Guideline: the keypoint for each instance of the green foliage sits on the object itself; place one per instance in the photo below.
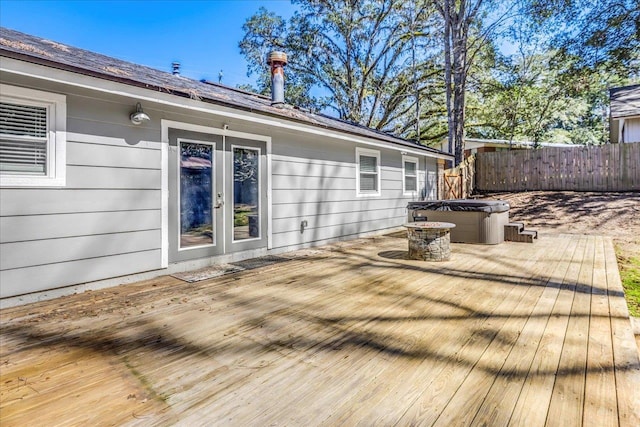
(366, 60)
(534, 102)
(264, 32)
(240, 218)
(554, 87)
(358, 53)
(630, 276)
(592, 34)
(241, 214)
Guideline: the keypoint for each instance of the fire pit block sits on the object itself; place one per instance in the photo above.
(429, 241)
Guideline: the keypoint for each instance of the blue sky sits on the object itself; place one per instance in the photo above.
(202, 35)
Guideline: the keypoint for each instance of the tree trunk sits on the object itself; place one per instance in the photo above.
(459, 87)
(447, 72)
(457, 16)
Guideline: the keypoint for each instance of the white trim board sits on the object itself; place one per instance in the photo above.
(41, 72)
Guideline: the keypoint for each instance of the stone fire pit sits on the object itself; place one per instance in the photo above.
(429, 241)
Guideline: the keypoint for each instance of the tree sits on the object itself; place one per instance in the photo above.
(425, 69)
(466, 35)
(364, 57)
(551, 88)
(603, 33)
(457, 18)
(531, 104)
(263, 33)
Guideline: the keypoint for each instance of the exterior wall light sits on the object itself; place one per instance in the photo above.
(139, 116)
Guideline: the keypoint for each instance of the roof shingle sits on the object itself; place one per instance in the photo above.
(625, 101)
(56, 55)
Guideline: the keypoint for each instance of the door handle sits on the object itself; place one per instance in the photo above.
(219, 201)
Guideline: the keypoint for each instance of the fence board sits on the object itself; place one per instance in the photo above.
(459, 182)
(611, 167)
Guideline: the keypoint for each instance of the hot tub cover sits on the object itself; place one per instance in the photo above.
(488, 206)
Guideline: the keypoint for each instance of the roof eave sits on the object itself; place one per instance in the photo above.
(184, 94)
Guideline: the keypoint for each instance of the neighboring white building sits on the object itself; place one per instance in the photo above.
(624, 116)
(478, 145)
(112, 172)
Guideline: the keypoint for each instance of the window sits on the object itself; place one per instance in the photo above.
(368, 173)
(246, 193)
(196, 184)
(32, 137)
(410, 175)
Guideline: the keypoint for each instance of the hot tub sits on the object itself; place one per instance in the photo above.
(477, 221)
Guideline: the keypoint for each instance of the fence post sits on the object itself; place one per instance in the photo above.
(441, 179)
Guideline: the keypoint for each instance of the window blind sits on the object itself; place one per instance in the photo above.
(23, 138)
(410, 183)
(410, 168)
(368, 182)
(368, 173)
(368, 164)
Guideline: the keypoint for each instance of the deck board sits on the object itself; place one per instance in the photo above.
(498, 405)
(567, 399)
(348, 334)
(429, 408)
(600, 385)
(533, 401)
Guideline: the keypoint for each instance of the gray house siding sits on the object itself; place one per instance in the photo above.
(314, 180)
(105, 222)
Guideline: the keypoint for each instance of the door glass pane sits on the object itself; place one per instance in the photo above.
(196, 189)
(246, 200)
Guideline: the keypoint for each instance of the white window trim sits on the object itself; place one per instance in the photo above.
(57, 136)
(371, 153)
(409, 159)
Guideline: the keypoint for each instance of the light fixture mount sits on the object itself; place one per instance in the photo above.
(139, 115)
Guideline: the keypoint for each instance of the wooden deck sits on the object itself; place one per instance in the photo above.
(348, 334)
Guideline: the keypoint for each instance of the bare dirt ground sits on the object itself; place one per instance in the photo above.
(608, 214)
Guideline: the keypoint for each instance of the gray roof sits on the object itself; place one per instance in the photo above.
(25, 47)
(625, 101)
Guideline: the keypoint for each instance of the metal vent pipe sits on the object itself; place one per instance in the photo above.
(277, 60)
(175, 66)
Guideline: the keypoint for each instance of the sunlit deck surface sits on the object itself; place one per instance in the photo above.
(347, 334)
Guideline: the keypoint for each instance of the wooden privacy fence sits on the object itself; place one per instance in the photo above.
(611, 167)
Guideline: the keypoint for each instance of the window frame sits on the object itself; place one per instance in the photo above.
(368, 153)
(416, 161)
(56, 105)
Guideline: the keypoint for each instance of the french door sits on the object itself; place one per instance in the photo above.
(217, 195)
